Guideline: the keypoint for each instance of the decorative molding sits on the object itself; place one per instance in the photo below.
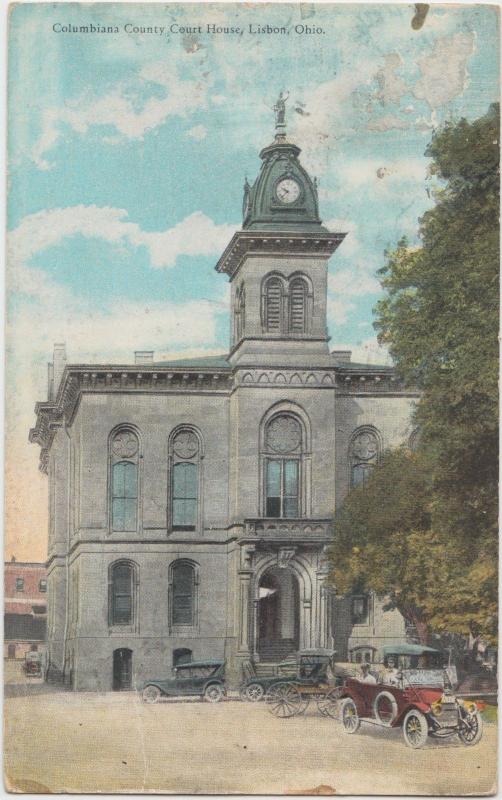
(285, 377)
(284, 556)
(277, 243)
(270, 529)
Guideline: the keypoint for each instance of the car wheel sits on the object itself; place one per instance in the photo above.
(471, 729)
(254, 692)
(213, 693)
(350, 716)
(385, 708)
(415, 729)
(151, 694)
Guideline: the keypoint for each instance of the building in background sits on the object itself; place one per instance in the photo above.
(25, 607)
(191, 502)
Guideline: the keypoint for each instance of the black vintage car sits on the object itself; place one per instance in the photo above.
(196, 678)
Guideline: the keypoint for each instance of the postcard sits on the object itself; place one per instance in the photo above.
(251, 437)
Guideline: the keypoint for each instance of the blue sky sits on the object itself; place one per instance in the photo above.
(128, 152)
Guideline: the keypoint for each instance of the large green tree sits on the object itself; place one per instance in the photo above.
(439, 318)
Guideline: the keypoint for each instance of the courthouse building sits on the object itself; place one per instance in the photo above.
(191, 502)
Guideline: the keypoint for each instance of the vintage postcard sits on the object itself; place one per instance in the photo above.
(251, 469)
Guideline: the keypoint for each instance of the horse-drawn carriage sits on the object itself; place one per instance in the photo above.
(288, 692)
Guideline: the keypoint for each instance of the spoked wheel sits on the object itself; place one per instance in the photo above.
(253, 692)
(350, 717)
(284, 700)
(329, 704)
(471, 729)
(415, 729)
(150, 694)
(214, 693)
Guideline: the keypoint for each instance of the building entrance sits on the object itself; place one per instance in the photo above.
(278, 615)
(122, 669)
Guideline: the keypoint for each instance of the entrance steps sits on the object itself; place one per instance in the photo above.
(276, 650)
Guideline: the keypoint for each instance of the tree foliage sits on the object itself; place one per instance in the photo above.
(439, 318)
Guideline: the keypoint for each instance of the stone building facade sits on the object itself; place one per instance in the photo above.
(191, 502)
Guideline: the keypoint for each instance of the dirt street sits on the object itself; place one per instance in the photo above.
(57, 741)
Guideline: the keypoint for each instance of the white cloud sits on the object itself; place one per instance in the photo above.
(198, 132)
(391, 87)
(366, 352)
(444, 72)
(353, 282)
(387, 123)
(339, 309)
(196, 235)
(124, 108)
(373, 174)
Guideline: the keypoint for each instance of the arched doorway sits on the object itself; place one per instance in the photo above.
(11, 651)
(278, 618)
(122, 669)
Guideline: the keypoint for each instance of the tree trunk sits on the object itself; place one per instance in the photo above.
(416, 619)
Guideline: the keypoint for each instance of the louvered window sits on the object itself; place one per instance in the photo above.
(273, 305)
(297, 306)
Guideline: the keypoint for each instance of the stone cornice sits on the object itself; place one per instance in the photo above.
(278, 244)
(80, 379)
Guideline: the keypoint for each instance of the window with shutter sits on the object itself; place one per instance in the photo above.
(183, 594)
(121, 589)
(297, 306)
(273, 305)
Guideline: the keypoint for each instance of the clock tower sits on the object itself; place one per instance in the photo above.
(277, 263)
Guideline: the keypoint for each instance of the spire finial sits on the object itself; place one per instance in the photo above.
(280, 116)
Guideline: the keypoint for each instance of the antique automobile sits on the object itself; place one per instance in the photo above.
(413, 691)
(205, 679)
(289, 692)
(33, 664)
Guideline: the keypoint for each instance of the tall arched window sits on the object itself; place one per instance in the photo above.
(124, 461)
(283, 448)
(273, 305)
(364, 453)
(183, 594)
(185, 456)
(121, 593)
(298, 292)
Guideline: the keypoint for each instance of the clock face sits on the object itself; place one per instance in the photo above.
(287, 190)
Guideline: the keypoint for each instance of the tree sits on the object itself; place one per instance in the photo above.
(439, 319)
(383, 540)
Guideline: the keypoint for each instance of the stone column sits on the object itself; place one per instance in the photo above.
(244, 615)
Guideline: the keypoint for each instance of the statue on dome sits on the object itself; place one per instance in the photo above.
(280, 110)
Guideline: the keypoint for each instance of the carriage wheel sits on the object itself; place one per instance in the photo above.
(284, 700)
(329, 704)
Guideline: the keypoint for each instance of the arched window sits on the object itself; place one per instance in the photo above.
(283, 448)
(240, 312)
(124, 460)
(364, 453)
(185, 482)
(121, 593)
(273, 305)
(183, 595)
(298, 292)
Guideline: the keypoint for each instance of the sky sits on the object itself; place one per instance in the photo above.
(128, 152)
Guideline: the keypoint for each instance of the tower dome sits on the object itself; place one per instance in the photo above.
(284, 196)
